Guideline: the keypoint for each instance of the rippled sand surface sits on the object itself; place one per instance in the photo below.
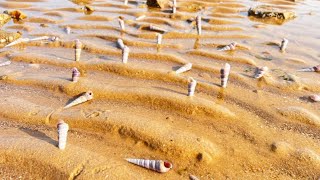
(253, 129)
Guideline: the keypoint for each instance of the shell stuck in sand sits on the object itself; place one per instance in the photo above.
(199, 25)
(260, 72)
(121, 23)
(230, 47)
(159, 38)
(125, 54)
(191, 86)
(83, 98)
(62, 134)
(184, 68)
(224, 75)
(78, 48)
(155, 165)
(75, 75)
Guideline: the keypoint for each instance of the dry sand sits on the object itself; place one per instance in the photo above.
(253, 129)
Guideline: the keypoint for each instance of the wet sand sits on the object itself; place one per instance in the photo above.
(253, 129)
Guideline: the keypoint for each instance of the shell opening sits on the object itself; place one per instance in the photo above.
(167, 165)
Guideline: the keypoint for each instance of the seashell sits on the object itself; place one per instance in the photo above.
(67, 30)
(5, 63)
(54, 39)
(78, 48)
(120, 43)
(75, 75)
(159, 38)
(311, 69)
(315, 98)
(193, 177)
(184, 68)
(191, 86)
(21, 40)
(83, 98)
(140, 17)
(284, 45)
(174, 7)
(231, 46)
(125, 54)
(261, 72)
(40, 38)
(198, 24)
(125, 2)
(62, 134)
(88, 9)
(157, 28)
(155, 165)
(121, 23)
(224, 74)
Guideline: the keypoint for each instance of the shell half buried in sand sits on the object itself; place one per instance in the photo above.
(155, 165)
(224, 75)
(230, 47)
(83, 98)
(78, 48)
(315, 98)
(62, 134)
(260, 72)
(184, 68)
(310, 69)
(191, 86)
(75, 75)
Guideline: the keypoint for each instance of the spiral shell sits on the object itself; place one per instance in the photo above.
(78, 49)
(120, 43)
(125, 54)
(260, 72)
(121, 23)
(75, 75)
(184, 68)
(224, 74)
(157, 28)
(231, 46)
(284, 44)
(6, 63)
(159, 39)
(191, 86)
(311, 69)
(62, 134)
(155, 165)
(315, 98)
(85, 97)
(21, 40)
(199, 25)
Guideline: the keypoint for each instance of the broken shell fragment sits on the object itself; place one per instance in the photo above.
(159, 38)
(198, 24)
(191, 86)
(231, 46)
(315, 98)
(6, 63)
(120, 43)
(157, 28)
(75, 75)
(184, 68)
(78, 48)
(174, 7)
(224, 75)
(121, 23)
(155, 165)
(284, 44)
(125, 54)
(83, 98)
(311, 69)
(260, 72)
(62, 134)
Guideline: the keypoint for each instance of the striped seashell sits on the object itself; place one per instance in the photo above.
(155, 165)
(159, 38)
(157, 28)
(6, 63)
(121, 23)
(224, 74)
(67, 30)
(231, 46)
(198, 24)
(311, 69)
(62, 134)
(21, 40)
(184, 68)
(75, 75)
(191, 86)
(125, 54)
(284, 44)
(78, 48)
(260, 72)
(140, 17)
(315, 98)
(83, 98)
(193, 177)
(120, 43)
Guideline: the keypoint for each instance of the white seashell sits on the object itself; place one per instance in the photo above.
(83, 98)
(191, 86)
(120, 43)
(6, 63)
(75, 75)
(140, 17)
(260, 72)
(231, 46)
(224, 75)
(125, 2)
(198, 24)
(193, 177)
(54, 38)
(157, 28)
(174, 7)
(311, 69)
(21, 40)
(315, 98)
(62, 134)
(121, 23)
(184, 68)
(284, 45)
(159, 38)
(40, 38)
(68, 30)
(78, 48)
(125, 54)
(155, 165)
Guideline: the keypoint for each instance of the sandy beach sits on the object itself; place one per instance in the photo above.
(255, 128)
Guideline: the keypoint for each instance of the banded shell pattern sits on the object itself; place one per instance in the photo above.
(155, 165)
(78, 48)
(284, 44)
(121, 23)
(75, 75)
(230, 47)
(224, 74)
(62, 134)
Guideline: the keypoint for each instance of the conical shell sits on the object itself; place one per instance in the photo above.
(311, 69)
(261, 72)
(191, 86)
(140, 17)
(62, 134)
(157, 28)
(6, 63)
(199, 25)
(86, 97)
(120, 43)
(159, 39)
(21, 40)
(284, 45)
(224, 74)
(231, 46)
(125, 54)
(78, 49)
(193, 177)
(315, 98)
(121, 23)
(75, 75)
(155, 165)
(184, 68)
(67, 30)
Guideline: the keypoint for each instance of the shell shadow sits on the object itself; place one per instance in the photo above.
(39, 135)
